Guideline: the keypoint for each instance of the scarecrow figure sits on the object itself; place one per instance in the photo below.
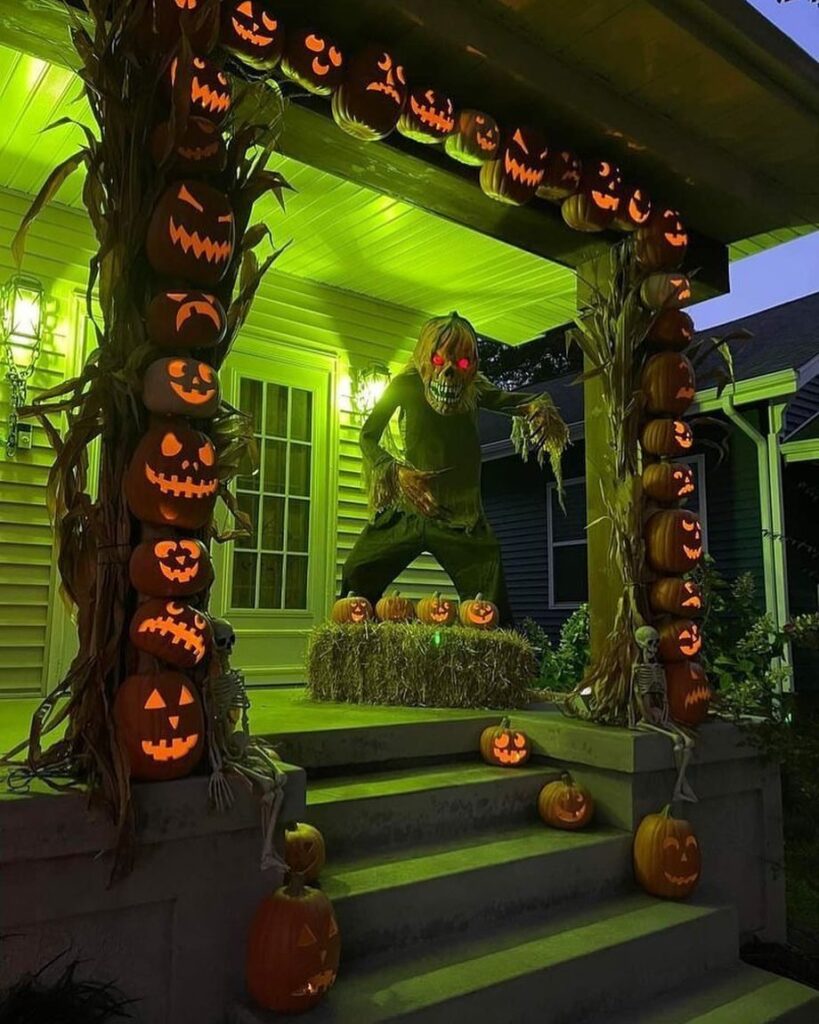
(425, 494)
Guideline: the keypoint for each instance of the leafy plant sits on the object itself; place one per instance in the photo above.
(561, 666)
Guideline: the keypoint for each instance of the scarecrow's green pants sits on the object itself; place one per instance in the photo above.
(386, 547)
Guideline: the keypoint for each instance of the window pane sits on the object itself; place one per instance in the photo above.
(270, 587)
(300, 469)
(298, 525)
(248, 478)
(249, 503)
(301, 414)
(275, 454)
(250, 401)
(569, 574)
(295, 594)
(273, 524)
(572, 524)
(243, 593)
(276, 420)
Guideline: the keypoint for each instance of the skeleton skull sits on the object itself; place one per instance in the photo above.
(224, 638)
(648, 640)
(446, 358)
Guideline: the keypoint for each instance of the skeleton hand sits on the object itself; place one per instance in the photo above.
(415, 486)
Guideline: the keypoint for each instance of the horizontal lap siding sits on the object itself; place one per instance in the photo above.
(803, 407)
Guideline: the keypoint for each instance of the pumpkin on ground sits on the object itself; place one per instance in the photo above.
(673, 541)
(565, 804)
(394, 608)
(689, 692)
(479, 613)
(352, 608)
(674, 596)
(293, 949)
(680, 640)
(503, 745)
(437, 610)
(304, 849)
(667, 860)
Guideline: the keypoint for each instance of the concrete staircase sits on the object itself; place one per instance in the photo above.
(456, 904)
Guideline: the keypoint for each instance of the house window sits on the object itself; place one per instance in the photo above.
(270, 566)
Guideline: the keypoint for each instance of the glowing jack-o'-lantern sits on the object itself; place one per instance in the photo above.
(181, 387)
(252, 32)
(667, 860)
(369, 101)
(517, 173)
(505, 746)
(635, 209)
(352, 608)
(668, 482)
(198, 149)
(673, 541)
(478, 613)
(314, 61)
(304, 849)
(168, 567)
(160, 725)
(293, 949)
(673, 596)
(595, 205)
(561, 175)
(667, 382)
(565, 804)
(185, 320)
(172, 477)
(475, 140)
(394, 608)
(429, 116)
(164, 21)
(662, 243)
(671, 329)
(666, 437)
(191, 233)
(666, 291)
(210, 92)
(680, 640)
(437, 610)
(689, 692)
(172, 631)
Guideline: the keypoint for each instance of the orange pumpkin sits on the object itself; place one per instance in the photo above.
(475, 140)
(210, 94)
(170, 567)
(394, 608)
(304, 849)
(502, 745)
(479, 613)
(565, 804)
(561, 175)
(666, 291)
(635, 209)
(172, 631)
(667, 382)
(673, 541)
(252, 32)
(680, 640)
(178, 386)
(369, 101)
(191, 233)
(667, 860)
(668, 482)
(185, 320)
(689, 693)
(198, 148)
(596, 204)
(674, 596)
(437, 610)
(661, 244)
(517, 172)
(671, 329)
(352, 608)
(666, 437)
(428, 117)
(312, 60)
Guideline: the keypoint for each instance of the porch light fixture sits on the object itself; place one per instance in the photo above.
(367, 386)
(21, 304)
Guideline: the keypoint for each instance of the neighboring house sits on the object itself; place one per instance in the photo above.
(764, 489)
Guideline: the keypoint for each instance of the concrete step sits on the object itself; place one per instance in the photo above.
(388, 810)
(553, 971)
(469, 883)
(739, 995)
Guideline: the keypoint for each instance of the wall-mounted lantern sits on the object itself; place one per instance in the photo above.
(367, 386)
(21, 300)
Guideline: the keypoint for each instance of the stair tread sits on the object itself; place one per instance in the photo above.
(457, 855)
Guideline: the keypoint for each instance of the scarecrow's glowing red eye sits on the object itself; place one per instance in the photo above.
(437, 359)
(463, 364)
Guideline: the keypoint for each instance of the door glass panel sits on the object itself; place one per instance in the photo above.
(299, 469)
(276, 417)
(301, 414)
(295, 594)
(249, 504)
(250, 401)
(244, 579)
(270, 583)
(298, 524)
(273, 524)
(275, 467)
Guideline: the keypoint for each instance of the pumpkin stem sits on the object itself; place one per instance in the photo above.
(566, 778)
(291, 826)
(479, 596)
(666, 811)
(505, 722)
(351, 593)
(295, 885)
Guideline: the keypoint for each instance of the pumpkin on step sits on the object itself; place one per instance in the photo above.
(667, 860)
(565, 804)
(352, 608)
(479, 613)
(503, 745)
(394, 608)
(437, 610)
(293, 949)
(304, 849)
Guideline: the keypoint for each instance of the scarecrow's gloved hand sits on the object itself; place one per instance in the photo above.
(415, 486)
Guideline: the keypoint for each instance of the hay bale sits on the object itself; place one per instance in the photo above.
(418, 665)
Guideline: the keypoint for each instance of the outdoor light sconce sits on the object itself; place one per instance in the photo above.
(367, 386)
(22, 312)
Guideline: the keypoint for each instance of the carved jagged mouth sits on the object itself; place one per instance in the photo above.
(685, 392)
(683, 440)
(676, 240)
(214, 252)
(187, 488)
(520, 172)
(604, 200)
(444, 397)
(508, 756)
(179, 575)
(197, 153)
(250, 36)
(187, 310)
(689, 650)
(209, 99)
(692, 602)
(193, 397)
(387, 89)
(316, 984)
(681, 879)
(701, 695)
(177, 748)
(569, 815)
(693, 553)
(486, 142)
(426, 115)
(685, 489)
(178, 632)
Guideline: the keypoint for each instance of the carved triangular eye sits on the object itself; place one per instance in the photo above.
(306, 936)
(155, 701)
(333, 929)
(185, 696)
(518, 137)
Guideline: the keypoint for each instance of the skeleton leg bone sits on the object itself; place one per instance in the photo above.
(683, 748)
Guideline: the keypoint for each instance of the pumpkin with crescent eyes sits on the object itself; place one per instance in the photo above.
(671, 329)
(673, 541)
(668, 482)
(516, 174)
(673, 596)
(429, 116)
(561, 175)
(667, 861)
(304, 849)
(475, 140)
(689, 692)
(635, 209)
(662, 243)
(177, 386)
(595, 205)
(502, 745)
(667, 383)
(312, 60)
(437, 610)
(252, 32)
(666, 437)
(160, 725)
(666, 291)
(171, 631)
(210, 93)
(680, 640)
(369, 101)
(394, 608)
(191, 233)
(185, 320)
(478, 613)
(172, 478)
(565, 804)
(197, 149)
(170, 567)
(352, 608)
(163, 22)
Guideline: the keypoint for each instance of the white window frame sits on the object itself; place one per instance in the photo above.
(699, 462)
(551, 544)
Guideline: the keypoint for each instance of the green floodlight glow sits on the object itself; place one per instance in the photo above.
(23, 311)
(437, 638)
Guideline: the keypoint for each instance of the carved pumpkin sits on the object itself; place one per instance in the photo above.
(252, 32)
(478, 613)
(666, 291)
(181, 387)
(304, 849)
(164, 21)
(160, 725)
(671, 329)
(198, 149)
(171, 631)
(167, 567)
(293, 949)
(565, 804)
(689, 693)
(668, 482)
(597, 202)
(673, 541)
(502, 745)
(185, 320)
(191, 233)
(662, 243)
(312, 60)
(561, 175)
(517, 173)
(437, 610)
(680, 640)
(429, 116)
(352, 608)
(673, 596)
(667, 861)
(475, 140)
(666, 437)
(394, 608)
(210, 92)
(369, 101)
(635, 209)
(668, 384)
(172, 479)
(446, 357)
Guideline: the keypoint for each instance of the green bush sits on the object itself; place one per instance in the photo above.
(561, 667)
